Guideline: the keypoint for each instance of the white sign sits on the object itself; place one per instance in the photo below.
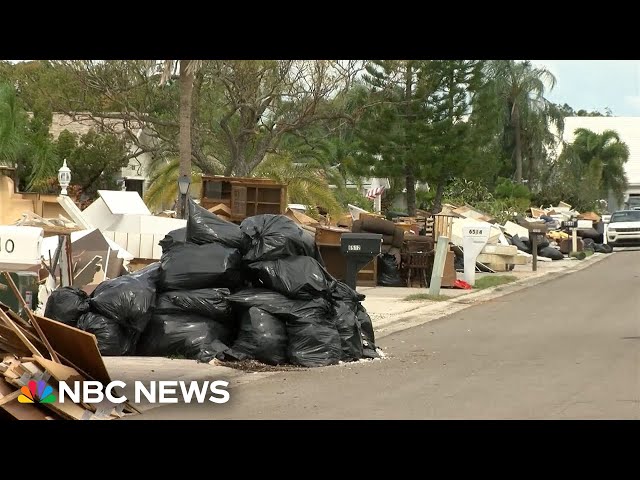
(19, 247)
(474, 238)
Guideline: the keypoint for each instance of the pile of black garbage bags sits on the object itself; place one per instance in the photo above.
(258, 290)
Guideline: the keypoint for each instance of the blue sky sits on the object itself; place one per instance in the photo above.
(596, 84)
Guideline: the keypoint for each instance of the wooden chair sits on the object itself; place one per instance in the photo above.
(417, 262)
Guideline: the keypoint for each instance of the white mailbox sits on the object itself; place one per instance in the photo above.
(20, 247)
(474, 238)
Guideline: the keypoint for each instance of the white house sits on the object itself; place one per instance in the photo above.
(135, 175)
(628, 128)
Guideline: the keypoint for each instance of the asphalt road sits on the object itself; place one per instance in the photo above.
(565, 349)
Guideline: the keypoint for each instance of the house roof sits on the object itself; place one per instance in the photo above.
(627, 127)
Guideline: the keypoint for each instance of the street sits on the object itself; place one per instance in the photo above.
(565, 349)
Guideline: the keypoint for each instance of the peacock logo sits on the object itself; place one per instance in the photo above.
(37, 392)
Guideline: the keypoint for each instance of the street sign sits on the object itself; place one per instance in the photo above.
(474, 238)
(20, 247)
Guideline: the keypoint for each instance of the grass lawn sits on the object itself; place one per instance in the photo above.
(493, 281)
(425, 296)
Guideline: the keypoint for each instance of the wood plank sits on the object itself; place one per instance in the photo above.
(78, 346)
(146, 245)
(11, 324)
(121, 238)
(4, 399)
(133, 244)
(20, 411)
(60, 372)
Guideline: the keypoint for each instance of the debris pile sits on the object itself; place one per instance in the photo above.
(254, 291)
(38, 352)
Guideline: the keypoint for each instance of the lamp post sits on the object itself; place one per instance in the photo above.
(184, 182)
(64, 177)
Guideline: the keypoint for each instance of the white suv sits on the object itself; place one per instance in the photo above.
(624, 228)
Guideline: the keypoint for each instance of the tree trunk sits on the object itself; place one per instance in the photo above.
(186, 90)
(408, 168)
(411, 190)
(437, 201)
(515, 120)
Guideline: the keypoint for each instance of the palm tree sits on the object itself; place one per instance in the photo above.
(603, 155)
(163, 190)
(521, 88)
(11, 123)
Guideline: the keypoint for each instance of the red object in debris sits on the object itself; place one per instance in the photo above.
(462, 284)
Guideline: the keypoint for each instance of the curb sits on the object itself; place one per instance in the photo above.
(436, 310)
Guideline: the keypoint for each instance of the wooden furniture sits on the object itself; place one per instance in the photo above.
(417, 261)
(245, 197)
(328, 242)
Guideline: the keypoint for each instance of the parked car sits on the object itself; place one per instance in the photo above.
(624, 228)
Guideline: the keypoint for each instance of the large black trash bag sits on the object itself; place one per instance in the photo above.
(368, 337)
(277, 304)
(129, 299)
(113, 339)
(314, 343)
(206, 227)
(149, 274)
(522, 244)
(271, 237)
(187, 335)
(591, 233)
(550, 252)
(344, 292)
(262, 337)
(388, 273)
(208, 302)
(66, 305)
(346, 321)
(173, 238)
(295, 277)
(313, 337)
(191, 267)
(602, 248)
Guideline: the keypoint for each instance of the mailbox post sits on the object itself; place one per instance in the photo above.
(537, 233)
(359, 249)
(573, 225)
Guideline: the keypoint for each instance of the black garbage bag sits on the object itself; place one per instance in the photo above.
(388, 273)
(593, 234)
(344, 292)
(550, 252)
(277, 304)
(206, 227)
(66, 305)
(262, 337)
(295, 277)
(349, 330)
(271, 237)
(368, 337)
(602, 248)
(149, 274)
(129, 299)
(185, 335)
(113, 339)
(191, 267)
(314, 343)
(208, 302)
(522, 244)
(588, 243)
(313, 336)
(543, 244)
(174, 237)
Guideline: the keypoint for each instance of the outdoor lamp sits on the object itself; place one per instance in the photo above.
(183, 184)
(64, 177)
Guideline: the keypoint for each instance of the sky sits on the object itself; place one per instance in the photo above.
(596, 84)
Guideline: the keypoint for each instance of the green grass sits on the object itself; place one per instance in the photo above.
(493, 281)
(425, 296)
